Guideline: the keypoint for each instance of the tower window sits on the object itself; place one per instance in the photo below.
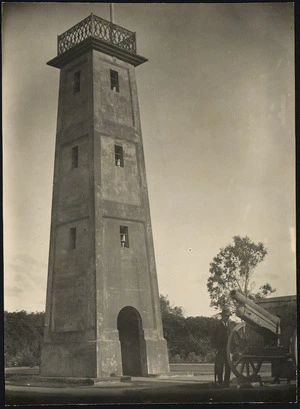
(76, 81)
(114, 81)
(73, 238)
(124, 236)
(119, 161)
(75, 157)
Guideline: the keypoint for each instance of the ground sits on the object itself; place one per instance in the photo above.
(185, 384)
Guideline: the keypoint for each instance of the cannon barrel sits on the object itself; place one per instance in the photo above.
(255, 315)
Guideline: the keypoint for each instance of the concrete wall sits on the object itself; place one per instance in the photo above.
(112, 108)
(120, 184)
(69, 359)
(124, 276)
(122, 199)
(286, 308)
(74, 183)
(75, 110)
(127, 272)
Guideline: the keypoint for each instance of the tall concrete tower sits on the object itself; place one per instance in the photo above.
(102, 310)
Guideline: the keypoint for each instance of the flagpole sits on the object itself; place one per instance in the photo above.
(111, 6)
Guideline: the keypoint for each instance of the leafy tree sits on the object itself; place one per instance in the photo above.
(264, 291)
(166, 308)
(189, 339)
(232, 268)
(173, 327)
(23, 334)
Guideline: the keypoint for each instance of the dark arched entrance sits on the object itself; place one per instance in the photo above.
(132, 342)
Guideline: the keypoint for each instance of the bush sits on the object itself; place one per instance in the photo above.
(189, 339)
(210, 357)
(23, 338)
(176, 359)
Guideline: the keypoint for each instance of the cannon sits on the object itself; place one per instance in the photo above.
(267, 333)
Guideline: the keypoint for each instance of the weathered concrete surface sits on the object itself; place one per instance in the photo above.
(177, 387)
(143, 390)
(88, 286)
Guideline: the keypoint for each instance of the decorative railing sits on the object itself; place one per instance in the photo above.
(97, 27)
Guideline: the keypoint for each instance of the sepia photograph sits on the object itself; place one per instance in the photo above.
(149, 203)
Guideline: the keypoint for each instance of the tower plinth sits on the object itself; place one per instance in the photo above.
(102, 309)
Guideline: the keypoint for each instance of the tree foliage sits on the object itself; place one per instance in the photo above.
(189, 339)
(232, 268)
(263, 292)
(23, 334)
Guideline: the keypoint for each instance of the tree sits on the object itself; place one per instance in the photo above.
(173, 327)
(166, 308)
(233, 268)
(23, 335)
(189, 339)
(264, 291)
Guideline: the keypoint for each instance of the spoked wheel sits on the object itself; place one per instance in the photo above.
(240, 352)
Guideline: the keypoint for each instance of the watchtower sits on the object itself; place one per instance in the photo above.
(102, 310)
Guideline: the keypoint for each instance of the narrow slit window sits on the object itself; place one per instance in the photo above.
(75, 157)
(119, 160)
(124, 236)
(76, 81)
(114, 81)
(73, 238)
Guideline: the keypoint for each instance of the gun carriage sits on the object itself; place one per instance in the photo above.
(267, 334)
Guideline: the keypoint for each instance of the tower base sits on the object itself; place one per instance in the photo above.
(157, 357)
(99, 359)
(65, 359)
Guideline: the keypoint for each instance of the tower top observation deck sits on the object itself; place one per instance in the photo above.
(97, 27)
(100, 34)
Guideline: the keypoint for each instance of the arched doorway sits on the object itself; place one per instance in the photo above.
(132, 342)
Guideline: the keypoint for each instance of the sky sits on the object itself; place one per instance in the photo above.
(217, 111)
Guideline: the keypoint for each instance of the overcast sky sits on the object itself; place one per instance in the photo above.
(217, 110)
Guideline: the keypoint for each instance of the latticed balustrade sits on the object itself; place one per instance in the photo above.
(97, 27)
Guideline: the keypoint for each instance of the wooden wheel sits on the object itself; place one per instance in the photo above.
(241, 345)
